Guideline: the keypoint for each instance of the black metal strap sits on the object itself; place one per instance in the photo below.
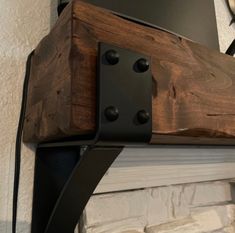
(124, 96)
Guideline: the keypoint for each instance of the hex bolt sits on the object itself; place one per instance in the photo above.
(143, 117)
(112, 57)
(142, 65)
(111, 113)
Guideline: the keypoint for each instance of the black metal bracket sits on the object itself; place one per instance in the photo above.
(67, 173)
(124, 96)
(65, 179)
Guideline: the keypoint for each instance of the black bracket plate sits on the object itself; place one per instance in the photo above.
(124, 96)
(66, 177)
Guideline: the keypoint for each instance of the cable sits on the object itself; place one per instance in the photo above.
(231, 49)
(18, 143)
(61, 5)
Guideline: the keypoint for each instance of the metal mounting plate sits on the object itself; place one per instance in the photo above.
(129, 90)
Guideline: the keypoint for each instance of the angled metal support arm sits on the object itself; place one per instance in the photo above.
(64, 182)
(67, 173)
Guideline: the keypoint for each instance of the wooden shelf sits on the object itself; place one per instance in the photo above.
(193, 87)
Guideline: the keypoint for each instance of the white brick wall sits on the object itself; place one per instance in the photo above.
(204, 219)
(189, 208)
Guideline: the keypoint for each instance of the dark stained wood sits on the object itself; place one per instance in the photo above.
(193, 86)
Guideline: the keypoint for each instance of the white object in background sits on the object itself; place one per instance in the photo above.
(226, 32)
(232, 5)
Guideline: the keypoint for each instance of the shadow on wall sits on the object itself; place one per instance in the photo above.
(5, 227)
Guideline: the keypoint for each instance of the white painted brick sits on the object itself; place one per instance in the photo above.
(157, 206)
(176, 201)
(230, 229)
(173, 202)
(122, 211)
(214, 219)
(124, 225)
(181, 226)
(223, 215)
(211, 193)
(132, 231)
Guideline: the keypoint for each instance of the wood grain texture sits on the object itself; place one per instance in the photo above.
(193, 86)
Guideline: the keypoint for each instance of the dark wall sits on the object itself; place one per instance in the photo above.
(194, 19)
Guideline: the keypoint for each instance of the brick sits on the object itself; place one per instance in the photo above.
(181, 226)
(214, 216)
(131, 232)
(154, 206)
(214, 219)
(211, 193)
(117, 211)
(159, 206)
(125, 225)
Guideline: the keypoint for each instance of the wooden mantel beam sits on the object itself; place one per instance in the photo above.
(193, 97)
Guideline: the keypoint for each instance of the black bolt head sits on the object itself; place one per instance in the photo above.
(112, 57)
(142, 65)
(143, 117)
(111, 113)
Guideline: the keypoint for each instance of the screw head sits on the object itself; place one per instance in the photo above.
(111, 113)
(142, 65)
(112, 57)
(143, 117)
